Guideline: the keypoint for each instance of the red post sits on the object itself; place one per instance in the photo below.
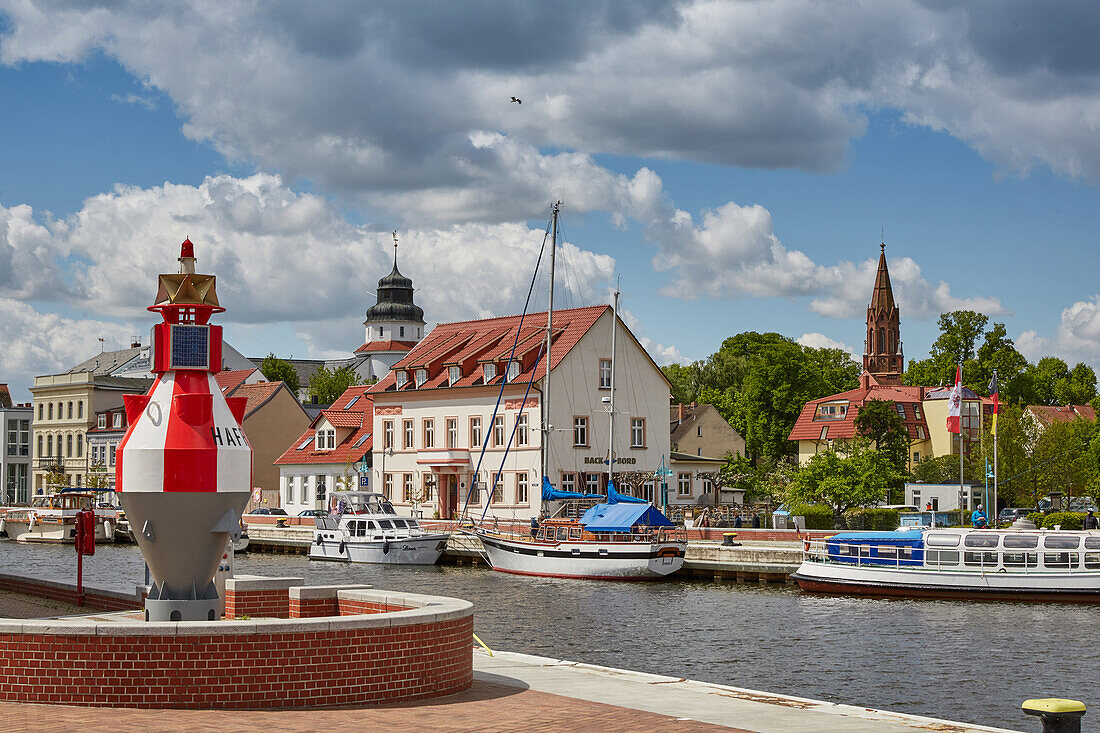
(85, 545)
(79, 542)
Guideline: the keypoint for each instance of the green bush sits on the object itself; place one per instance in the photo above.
(1037, 518)
(873, 519)
(817, 516)
(1067, 520)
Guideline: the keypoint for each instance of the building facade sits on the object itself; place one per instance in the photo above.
(448, 438)
(15, 449)
(103, 439)
(332, 454)
(701, 431)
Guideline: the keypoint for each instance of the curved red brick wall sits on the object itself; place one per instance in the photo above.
(382, 657)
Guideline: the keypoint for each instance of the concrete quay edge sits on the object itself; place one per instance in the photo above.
(742, 708)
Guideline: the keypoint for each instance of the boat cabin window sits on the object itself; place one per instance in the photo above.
(563, 533)
(360, 529)
(981, 540)
(1092, 560)
(1024, 541)
(1092, 543)
(942, 539)
(941, 557)
(1061, 559)
(1020, 559)
(372, 524)
(1062, 543)
(413, 524)
(980, 559)
(385, 524)
(574, 534)
(888, 551)
(399, 523)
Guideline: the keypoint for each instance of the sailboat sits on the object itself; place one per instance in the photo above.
(616, 538)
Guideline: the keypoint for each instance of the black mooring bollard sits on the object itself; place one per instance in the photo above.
(1058, 715)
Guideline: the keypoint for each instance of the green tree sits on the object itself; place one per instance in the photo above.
(275, 369)
(1078, 387)
(857, 477)
(1043, 378)
(836, 368)
(958, 340)
(1061, 457)
(1016, 435)
(879, 421)
(724, 402)
(685, 380)
(327, 386)
(999, 352)
(97, 478)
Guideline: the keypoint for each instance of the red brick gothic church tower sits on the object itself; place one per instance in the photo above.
(883, 359)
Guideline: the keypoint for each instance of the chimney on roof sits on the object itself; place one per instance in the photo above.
(680, 412)
(920, 393)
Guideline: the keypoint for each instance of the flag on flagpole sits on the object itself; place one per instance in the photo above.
(954, 405)
(996, 401)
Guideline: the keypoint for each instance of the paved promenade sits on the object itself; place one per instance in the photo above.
(17, 605)
(518, 692)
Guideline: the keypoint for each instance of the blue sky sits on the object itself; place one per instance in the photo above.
(734, 162)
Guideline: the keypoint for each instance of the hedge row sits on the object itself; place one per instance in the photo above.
(821, 517)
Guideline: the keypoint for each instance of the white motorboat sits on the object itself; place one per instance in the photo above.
(1017, 565)
(52, 518)
(363, 527)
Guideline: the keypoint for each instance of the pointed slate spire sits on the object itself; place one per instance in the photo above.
(882, 353)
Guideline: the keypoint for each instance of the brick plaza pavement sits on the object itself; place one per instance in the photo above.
(486, 708)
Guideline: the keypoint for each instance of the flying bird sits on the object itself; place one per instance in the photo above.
(517, 100)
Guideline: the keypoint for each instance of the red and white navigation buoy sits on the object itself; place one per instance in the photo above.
(184, 467)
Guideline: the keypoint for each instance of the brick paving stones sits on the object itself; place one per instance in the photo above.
(486, 708)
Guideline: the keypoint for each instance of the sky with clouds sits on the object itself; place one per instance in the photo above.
(736, 162)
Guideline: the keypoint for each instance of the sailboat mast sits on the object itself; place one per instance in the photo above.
(549, 332)
(611, 413)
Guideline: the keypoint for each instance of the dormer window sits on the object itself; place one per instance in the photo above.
(325, 440)
(101, 422)
(421, 377)
(513, 371)
(454, 374)
(401, 377)
(490, 372)
(834, 411)
(117, 420)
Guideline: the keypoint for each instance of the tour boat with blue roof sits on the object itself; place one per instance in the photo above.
(1017, 565)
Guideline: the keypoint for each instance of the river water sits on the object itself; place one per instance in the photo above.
(961, 660)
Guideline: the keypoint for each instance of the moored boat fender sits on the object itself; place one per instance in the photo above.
(319, 540)
(108, 530)
(30, 522)
(3, 528)
(341, 547)
(386, 547)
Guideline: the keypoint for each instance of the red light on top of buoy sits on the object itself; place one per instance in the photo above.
(187, 249)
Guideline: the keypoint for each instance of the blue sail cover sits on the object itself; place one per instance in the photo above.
(623, 517)
(549, 493)
(614, 497)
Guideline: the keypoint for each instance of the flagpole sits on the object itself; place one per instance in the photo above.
(996, 511)
(962, 519)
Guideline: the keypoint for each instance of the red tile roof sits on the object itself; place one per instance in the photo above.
(471, 343)
(354, 409)
(229, 381)
(1048, 415)
(373, 347)
(807, 428)
(257, 394)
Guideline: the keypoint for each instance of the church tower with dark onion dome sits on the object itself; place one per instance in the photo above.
(882, 354)
(394, 324)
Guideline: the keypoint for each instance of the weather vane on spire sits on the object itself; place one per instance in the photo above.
(882, 246)
(395, 248)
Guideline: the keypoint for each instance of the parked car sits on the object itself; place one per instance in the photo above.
(312, 513)
(1011, 514)
(269, 510)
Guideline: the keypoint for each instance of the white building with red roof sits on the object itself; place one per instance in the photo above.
(328, 455)
(923, 410)
(437, 437)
